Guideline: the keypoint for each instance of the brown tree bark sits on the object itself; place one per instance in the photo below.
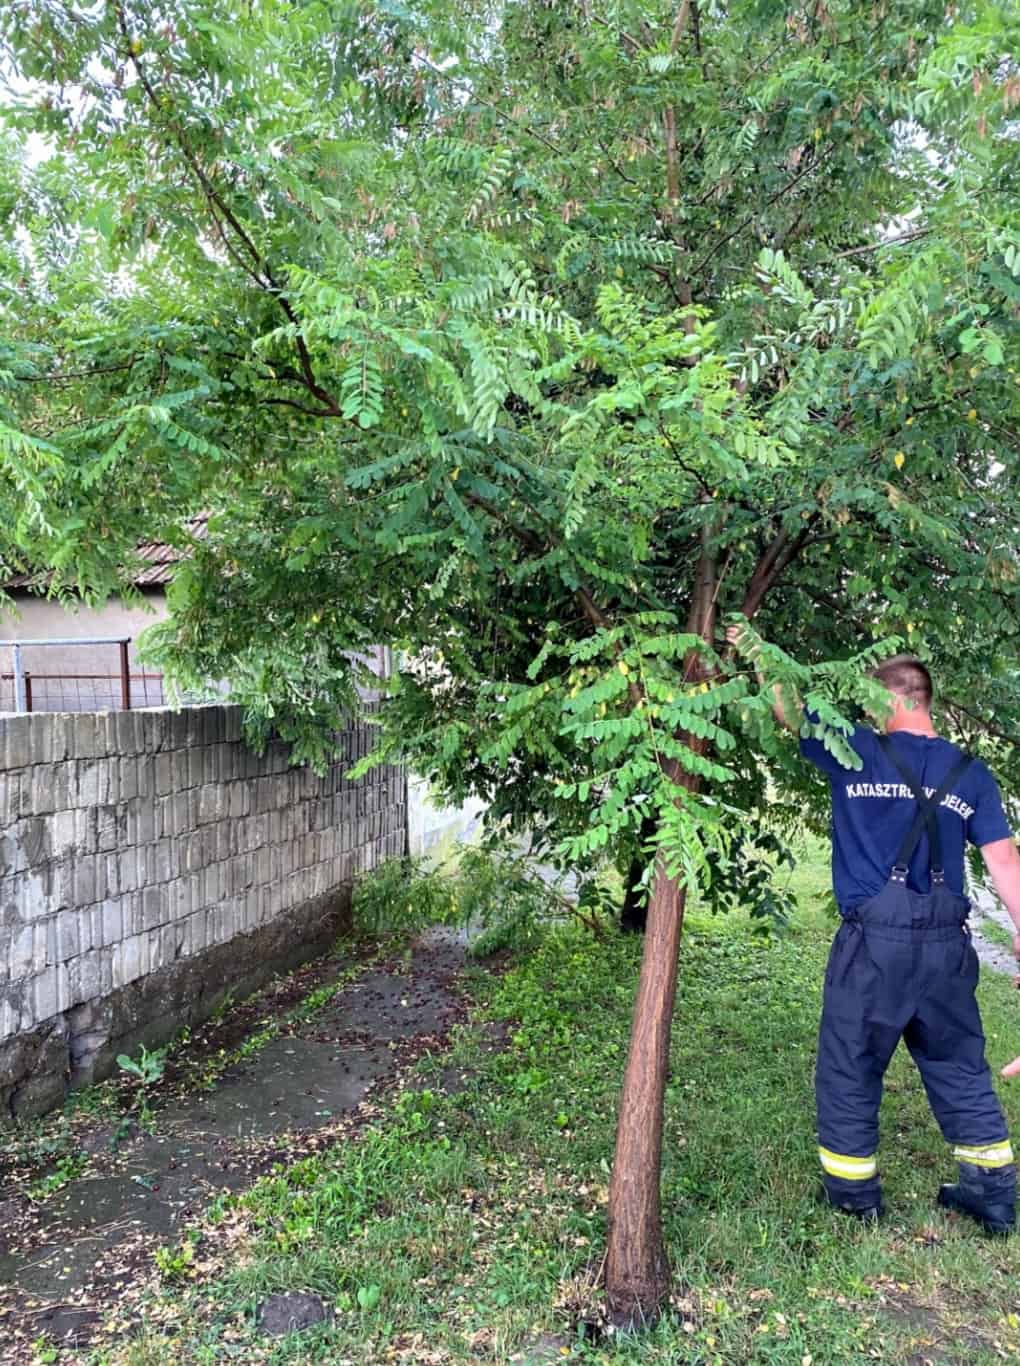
(637, 1275)
(637, 1268)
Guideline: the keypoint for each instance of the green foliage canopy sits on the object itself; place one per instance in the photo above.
(532, 338)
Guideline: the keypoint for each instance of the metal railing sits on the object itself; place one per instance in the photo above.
(32, 690)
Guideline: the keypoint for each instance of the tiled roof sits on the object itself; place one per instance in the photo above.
(159, 557)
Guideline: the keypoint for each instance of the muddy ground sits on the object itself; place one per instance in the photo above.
(66, 1256)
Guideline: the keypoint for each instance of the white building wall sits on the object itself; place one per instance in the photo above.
(433, 828)
(33, 618)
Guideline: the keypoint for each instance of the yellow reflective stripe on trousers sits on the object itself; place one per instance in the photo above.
(990, 1155)
(849, 1168)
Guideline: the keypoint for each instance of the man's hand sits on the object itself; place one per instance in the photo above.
(738, 637)
(1011, 1068)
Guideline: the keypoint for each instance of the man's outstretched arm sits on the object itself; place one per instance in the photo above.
(791, 716)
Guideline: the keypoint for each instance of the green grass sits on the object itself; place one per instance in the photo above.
(459, 1228)
(995, 933)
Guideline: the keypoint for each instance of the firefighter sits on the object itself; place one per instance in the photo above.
(902, 964)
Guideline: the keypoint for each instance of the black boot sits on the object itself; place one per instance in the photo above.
(864, 1205)
(864, 1214)
(985, 1194)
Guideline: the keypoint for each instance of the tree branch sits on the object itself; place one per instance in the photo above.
(419, 56)
(525, 535)
(669, 123)
(790, 184)
(699, 479)
(702, 613)
(245, 266)
(217, 202)
(630, 41)
(672, 171)
(696, 33)
(781, 553)
(591, 610)
(951, 705)
(666, 275)
(537, 545)
(886, 242)
(616, 167)
(679, 26)
(301, 408)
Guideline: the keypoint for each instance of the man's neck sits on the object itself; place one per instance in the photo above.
(916, 723)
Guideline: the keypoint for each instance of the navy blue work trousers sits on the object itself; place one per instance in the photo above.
(902, 965)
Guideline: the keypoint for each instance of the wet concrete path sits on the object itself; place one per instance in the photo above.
(65, 1258)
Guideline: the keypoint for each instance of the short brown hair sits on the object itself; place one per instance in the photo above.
(906, 676)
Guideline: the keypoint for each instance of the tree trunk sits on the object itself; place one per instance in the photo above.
(637, 1269)
(637, 1275)
(634, 911)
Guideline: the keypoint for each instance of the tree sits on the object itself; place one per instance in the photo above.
(534, 338)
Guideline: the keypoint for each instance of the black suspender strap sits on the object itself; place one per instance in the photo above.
(926, 814)
(923, 817)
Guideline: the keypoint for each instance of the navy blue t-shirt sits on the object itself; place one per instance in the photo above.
(873, 809)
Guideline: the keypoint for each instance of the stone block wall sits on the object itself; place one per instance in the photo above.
(149, 864)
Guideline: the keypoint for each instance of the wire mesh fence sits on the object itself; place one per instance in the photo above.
(59, 686)
(41, 676)
(81, 692)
